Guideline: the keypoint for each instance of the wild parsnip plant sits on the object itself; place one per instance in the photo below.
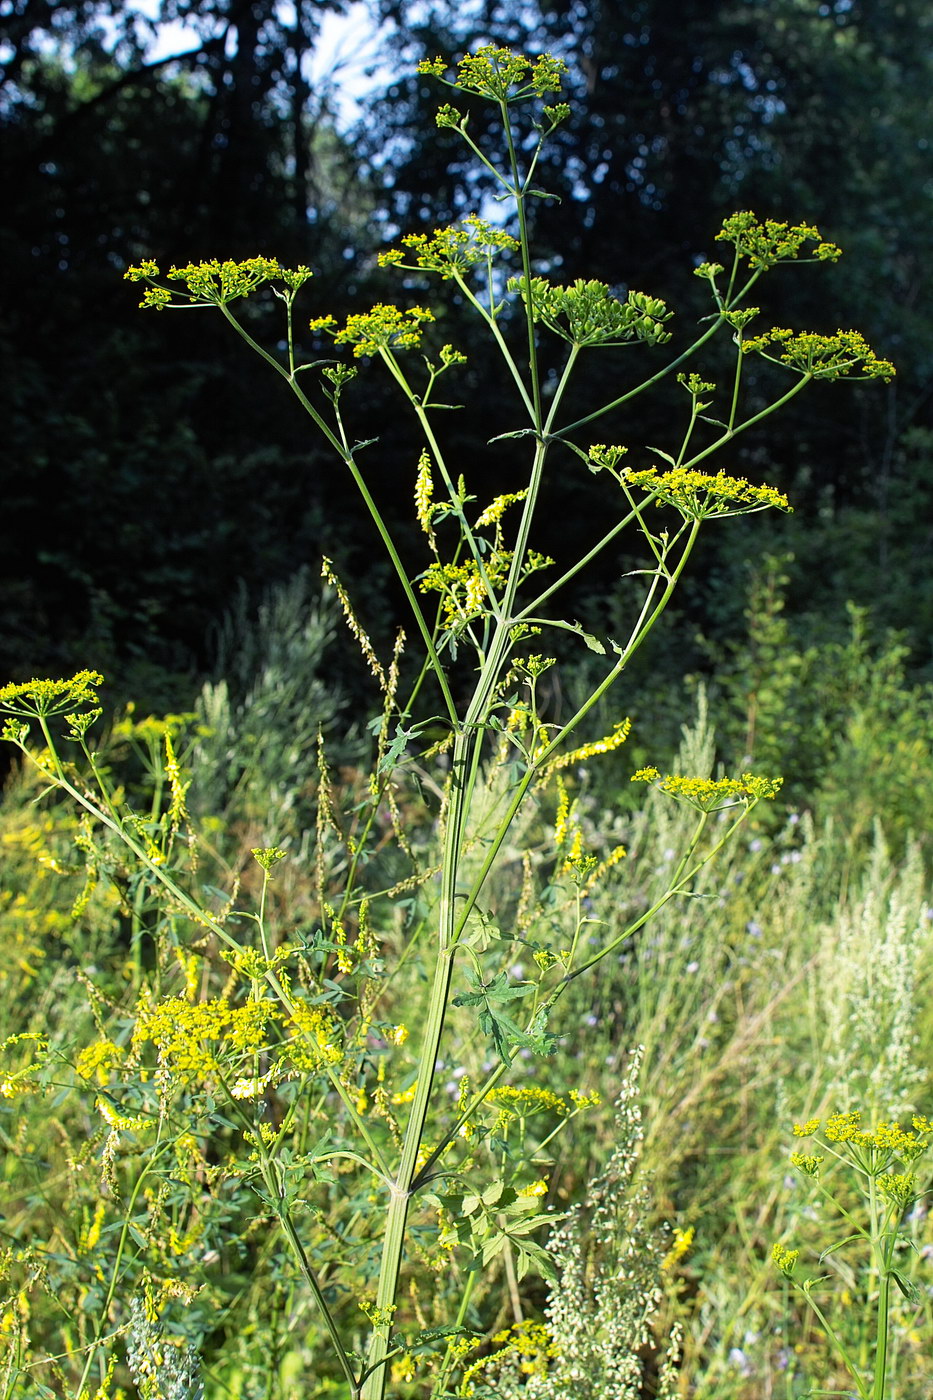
(888, 1166)
(263, 1061)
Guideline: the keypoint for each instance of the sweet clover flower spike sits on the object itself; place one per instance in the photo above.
(213, 283)
(586, 313)
(711, 794)
(383, 328)
(844, 355)
(697, 495)
(768, 242)
(501, 75)
(37, 698)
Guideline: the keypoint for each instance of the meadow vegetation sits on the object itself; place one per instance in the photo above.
(449, 1051)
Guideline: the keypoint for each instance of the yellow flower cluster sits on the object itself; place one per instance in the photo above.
(500, 74)
(846, 354)
(462, 585)
(385, 327)
(532, 1342)
(683, 1242)
(885, 1141)
(424, 496)
(451, 251)
(99, 1060)
(899, 1188)
(45, 697)
(698, 495)
(711, 794)
(806, 1162)
(191, 1038)
(523, 1101)
(767, 242)
(213, 283)
(608, 744)
(494, 512)
(268, 856)
(785, 1259)
(318, 1042)
(602, 455)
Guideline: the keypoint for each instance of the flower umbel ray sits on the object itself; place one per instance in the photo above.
(766, 242)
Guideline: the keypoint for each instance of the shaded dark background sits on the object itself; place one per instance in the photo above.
(151, 468)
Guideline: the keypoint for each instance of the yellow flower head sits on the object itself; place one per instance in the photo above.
(700, 496)
(383, 328)
(40, 697)
(712, 794)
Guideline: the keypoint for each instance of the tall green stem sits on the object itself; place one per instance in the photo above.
(401, 1187)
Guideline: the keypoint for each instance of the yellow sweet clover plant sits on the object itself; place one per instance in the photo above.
(266, 1058)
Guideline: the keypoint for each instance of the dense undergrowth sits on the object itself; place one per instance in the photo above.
(792, 983)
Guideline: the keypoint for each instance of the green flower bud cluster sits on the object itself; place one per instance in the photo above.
(586, 313)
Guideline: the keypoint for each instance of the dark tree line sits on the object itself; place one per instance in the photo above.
(149, 467)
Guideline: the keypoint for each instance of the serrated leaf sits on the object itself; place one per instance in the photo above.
(535, 1254)
(397, 747)
(493, 1248)
(527, 1227)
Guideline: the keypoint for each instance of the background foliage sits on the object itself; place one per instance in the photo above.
(145, 479)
